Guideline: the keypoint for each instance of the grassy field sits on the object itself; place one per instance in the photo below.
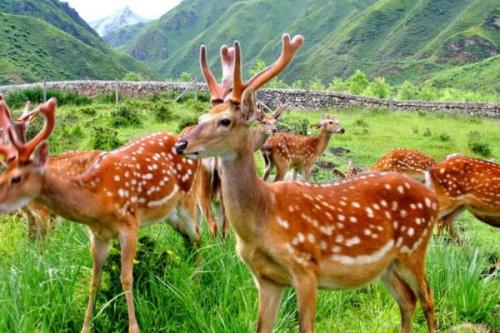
(43, 286)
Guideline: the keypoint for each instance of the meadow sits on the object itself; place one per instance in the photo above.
(44, 284)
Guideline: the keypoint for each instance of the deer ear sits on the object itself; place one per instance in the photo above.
(279, 111)
(40, 155)
(248, 105)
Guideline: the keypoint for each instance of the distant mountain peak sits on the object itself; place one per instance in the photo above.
(122, 18)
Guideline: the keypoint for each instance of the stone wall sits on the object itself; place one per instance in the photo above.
(299, 99)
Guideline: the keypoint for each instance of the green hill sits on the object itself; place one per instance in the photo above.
(398, 39)
(47, 38)
(34, 49)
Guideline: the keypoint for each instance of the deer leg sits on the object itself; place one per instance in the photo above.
(305, 285)
(99, 254)
(404, 296)
(268, 165)
(280, 172)
(448, 223)
(205, 184)
(413, 271)
(128, 245)
(270, 295)
(307, 172)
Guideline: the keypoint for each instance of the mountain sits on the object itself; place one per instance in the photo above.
(47, 38)
(122, 18)
(122, 36)
(398, 39)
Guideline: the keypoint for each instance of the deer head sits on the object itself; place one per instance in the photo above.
(21, 182)
(268, 123)
(225, 127)
(330, 124)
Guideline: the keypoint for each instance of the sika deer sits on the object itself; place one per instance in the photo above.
(138, 184)
(340, 235)
(466, 183)
(287, 151)
(40, 218)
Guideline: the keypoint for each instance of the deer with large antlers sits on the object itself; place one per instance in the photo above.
(309, 236)
(466, 183)
(285, 151)
(209, 170)
(143, 182)
(39, 217)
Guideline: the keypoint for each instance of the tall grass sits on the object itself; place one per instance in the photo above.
(44, 285)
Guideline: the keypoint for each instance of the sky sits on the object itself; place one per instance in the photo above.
(91, 10)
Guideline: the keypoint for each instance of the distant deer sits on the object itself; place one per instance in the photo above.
(287, 151)
(410, 162)
(138, 184)
(461, 183)
(308, 236)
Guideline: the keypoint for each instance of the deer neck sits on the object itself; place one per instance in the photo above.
(259, 136)
(322, 140)
(65, 196)
(245, 197)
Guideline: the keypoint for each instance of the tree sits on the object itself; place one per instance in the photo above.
(186, 77)
(357, 82)
(379, 88)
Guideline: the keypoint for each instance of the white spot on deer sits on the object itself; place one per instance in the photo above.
(367, 232)
(403, 213)
(341, 217)
(323, 245)
(339, 238)
(353, 219)
(116, 178)
(311, 238)
(369, 212)
(164, 200)
(355, 204)
(401, 189)
(336, 249)
(352, 241)
(364, 259)
(411, 232)
(283, 223)
(428, 202)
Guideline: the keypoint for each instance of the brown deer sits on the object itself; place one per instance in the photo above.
(461, 183)
(286, 151)
(309, 236)
(138, 184)
(410, 162)
(39, 217)
(209, 172)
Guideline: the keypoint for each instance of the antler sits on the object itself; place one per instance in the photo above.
(25, 149)
(289, 48)
(218, 91)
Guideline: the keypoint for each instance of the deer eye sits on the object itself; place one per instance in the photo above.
(15, 180)
(225, 122)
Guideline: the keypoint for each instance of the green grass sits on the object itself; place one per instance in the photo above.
(43, 286)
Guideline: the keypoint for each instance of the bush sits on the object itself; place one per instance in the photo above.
(361, 123)
(427, 132)
(186, 121)
(198, 107)
(133, 76)
(444, 137)
(104, 138)
(18, 98)
(162, 111)
(88, 111)
(379, 88)
(125, 115)
(357, 82)
(477, 144)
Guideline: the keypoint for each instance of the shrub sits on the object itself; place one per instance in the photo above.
(186, 77)
(357, 82)
(444, 137)
(104, 138)
(88, 111)
(198, 107)
(427, 132)
(316, 84)
(379, 88)
(300, 128)
(361, 123)
(477, 144)
(17, 98)
(125, 115)
(187, 121)
(133, 76)
(162, 111)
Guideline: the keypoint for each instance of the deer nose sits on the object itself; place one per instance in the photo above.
(274, 130)
(180, 146)
(342, 131)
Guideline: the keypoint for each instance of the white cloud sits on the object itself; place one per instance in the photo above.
(91, 10)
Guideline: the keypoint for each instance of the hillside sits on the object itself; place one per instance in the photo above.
(398, 39)
(122, 36)
(122, 18)
(34, 49)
